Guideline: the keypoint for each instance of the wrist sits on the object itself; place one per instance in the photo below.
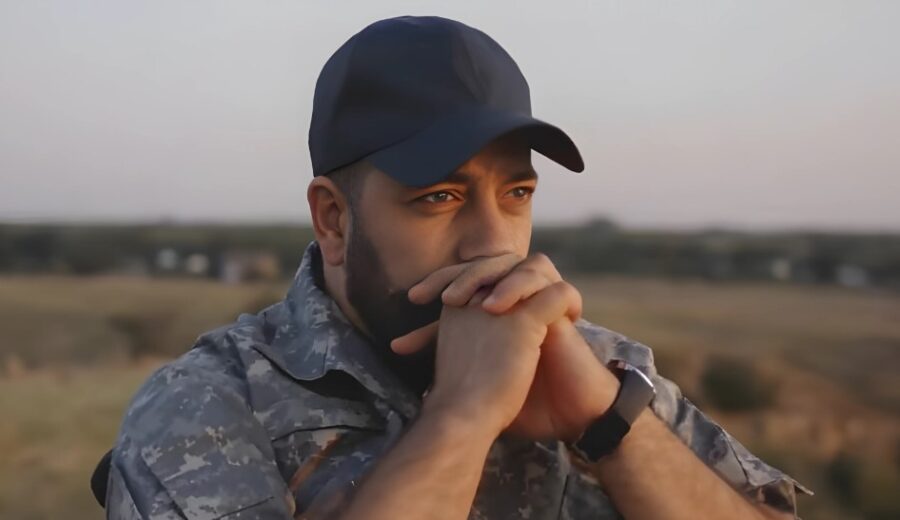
(605, 435)
(644, 432)
(600, 400)
(450, 416)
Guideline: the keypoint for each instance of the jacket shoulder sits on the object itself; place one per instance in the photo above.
(190, 430)
(709, 441)
(609, 345)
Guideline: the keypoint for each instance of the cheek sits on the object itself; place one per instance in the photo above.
(410, 250)
(523, 240)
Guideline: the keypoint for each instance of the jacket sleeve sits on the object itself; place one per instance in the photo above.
(709, 441)
(153, 498)
(190, 448)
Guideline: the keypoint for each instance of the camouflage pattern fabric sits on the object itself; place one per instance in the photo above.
(282, 413)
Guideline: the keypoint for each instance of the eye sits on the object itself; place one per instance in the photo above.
(438, 197)
(521, 192)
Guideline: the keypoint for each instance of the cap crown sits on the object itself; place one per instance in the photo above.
(397, 76)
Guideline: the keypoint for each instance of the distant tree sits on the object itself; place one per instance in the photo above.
(146, 331)
(732, 384)
(36, 249)
(843, 475)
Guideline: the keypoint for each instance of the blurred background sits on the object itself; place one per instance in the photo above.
(739, 212)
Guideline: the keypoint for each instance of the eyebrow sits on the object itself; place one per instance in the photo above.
(463, 177)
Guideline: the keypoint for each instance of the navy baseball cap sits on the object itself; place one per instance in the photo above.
(418, 96)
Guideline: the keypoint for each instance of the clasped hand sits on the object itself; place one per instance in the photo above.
(508, 354)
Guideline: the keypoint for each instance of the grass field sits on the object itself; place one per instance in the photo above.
(57, 423)
(75, 349)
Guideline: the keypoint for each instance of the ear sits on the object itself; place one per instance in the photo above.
(330, 219)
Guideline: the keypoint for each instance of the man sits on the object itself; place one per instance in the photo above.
(422, 364)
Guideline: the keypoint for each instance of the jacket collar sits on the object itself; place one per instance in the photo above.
(313, 336)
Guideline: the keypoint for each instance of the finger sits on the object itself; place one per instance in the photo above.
(431, 286)
(479, 296)
(562, 331)
(553, 302)
(541, 263)
(519, 285)
(415, 340)
(480, 274)
(508, 292)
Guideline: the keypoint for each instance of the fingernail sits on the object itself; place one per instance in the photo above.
(490, 300)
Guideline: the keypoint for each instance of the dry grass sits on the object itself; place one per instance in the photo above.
(848, 336)
(833, 353)
(57, 423)
(64, 321)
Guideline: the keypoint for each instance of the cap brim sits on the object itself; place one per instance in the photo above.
(430, 155)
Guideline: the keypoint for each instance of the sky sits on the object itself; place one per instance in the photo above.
(755, 115)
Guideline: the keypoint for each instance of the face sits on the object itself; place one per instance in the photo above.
(399, 235)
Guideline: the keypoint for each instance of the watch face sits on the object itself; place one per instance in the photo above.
(642, 376)
(636, 393)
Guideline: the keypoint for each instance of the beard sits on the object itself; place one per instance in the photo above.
(387, 313)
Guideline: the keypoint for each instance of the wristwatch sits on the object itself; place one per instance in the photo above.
(605, 434)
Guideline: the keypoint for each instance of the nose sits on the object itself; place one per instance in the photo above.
(485, 230)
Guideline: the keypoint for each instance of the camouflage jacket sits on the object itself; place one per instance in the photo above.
(280, 414)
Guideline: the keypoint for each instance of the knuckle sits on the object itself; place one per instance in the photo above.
(561, 286)
(566, 290)
(514, 258)
(544, 264)
(540, 258)
(572, 291)
(577, 302)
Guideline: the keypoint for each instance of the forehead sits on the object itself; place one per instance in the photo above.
(505, 156)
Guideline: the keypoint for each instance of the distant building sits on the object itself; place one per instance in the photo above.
(167, 260)
(197, 264)
(133, 266)
(781, 269)
(851, 276)
(243, 266)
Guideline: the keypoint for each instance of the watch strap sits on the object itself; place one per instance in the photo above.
(605, 434)
(602, 437)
